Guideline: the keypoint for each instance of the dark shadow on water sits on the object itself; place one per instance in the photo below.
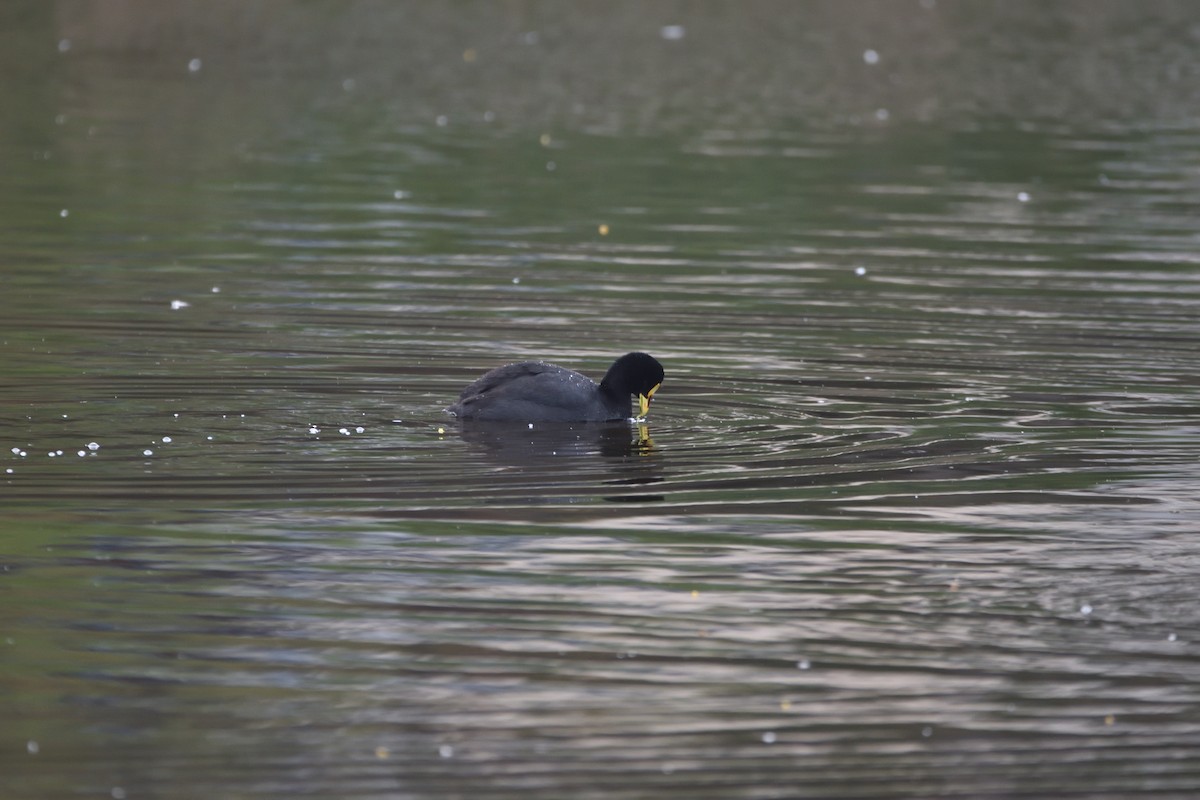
(535, 444)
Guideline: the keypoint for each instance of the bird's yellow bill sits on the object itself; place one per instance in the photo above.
(644, 400)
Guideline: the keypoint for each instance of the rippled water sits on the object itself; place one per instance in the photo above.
(914, 514)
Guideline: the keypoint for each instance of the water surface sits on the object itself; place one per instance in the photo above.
(915, 517)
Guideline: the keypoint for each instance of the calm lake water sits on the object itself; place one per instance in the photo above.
(916, 510)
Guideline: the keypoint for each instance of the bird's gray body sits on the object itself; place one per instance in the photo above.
(533, 391)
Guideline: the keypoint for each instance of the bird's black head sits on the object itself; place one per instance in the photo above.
(634, 373)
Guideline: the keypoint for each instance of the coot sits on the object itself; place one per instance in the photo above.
(533, 391)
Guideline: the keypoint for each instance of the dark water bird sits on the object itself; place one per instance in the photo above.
(533, 391)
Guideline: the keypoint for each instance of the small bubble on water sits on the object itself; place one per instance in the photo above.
(52, 454)
(516, 280)
(81, 453)
(147, 452)
(870, 57)
(194, 65)
(446, 751)
(8, 471)
(927, 731)
(1022, 197)
(32, 747)
(178, 304)
(93, 446)
(1085, 609)
(531, 426)
(209, 438)
(803, 663)
(769, 737)
(344, 431)
(1171, 637)
(64, 213)
(882, 114)
(672, 33)
(216, 290)
(314, 430)
(16, 451)
(442, 120)
(860, 271)
(166, 439)
(359, 429)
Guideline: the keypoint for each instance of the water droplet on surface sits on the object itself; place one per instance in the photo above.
(1085, 609)
(147, 452)
(870, 57)
(673, 33)
(32, 747)
(166, 439)
(194, 65)
(446, 751)
(359, 429)
(769, 737)
(516, 280)
(803, 663)
(860, 271)
(1022, 197)
(64, 213)
(93, 446)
